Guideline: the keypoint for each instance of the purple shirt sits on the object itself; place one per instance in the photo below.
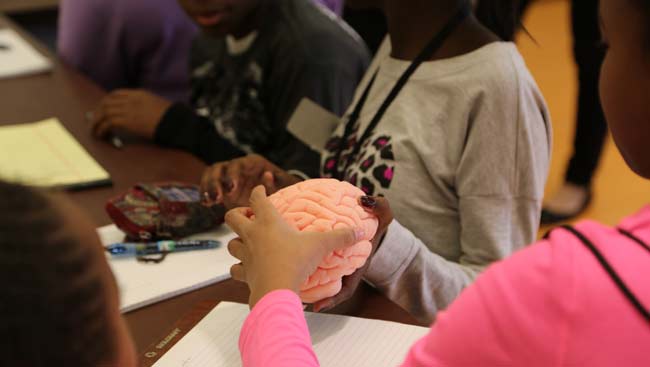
(334, 5)
(133, 43)
(129, 44)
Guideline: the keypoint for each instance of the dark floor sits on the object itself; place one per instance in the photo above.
(41, 24)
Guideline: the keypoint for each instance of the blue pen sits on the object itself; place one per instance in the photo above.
(160, 247)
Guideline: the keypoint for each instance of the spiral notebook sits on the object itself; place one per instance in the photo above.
(208, 337)
(142, 284)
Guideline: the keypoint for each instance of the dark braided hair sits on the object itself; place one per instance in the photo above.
(53, 300)
(502, 17)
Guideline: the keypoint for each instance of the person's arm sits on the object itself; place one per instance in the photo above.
(181, 128)
(499, 183)
(329, 80)
(156, 47)
(415, 278)
(422, 282)
(275, 333)
(82, 26)
(517, 313)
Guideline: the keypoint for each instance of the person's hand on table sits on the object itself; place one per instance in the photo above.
(273, 255)
(230, 183)
(135, 111)
(380, 207)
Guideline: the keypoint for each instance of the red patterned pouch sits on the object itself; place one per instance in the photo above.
(163, 211)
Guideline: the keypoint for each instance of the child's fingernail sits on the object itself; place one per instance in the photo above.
(325, 308)
(368, 202)
(359, 233)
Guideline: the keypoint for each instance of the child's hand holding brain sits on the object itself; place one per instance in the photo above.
(321, 205)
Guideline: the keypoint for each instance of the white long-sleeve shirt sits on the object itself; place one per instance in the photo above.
(462, 155)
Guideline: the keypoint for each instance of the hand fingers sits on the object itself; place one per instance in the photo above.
(261, 205)
(210, 182)
(236, 249)
(104, 123)
(114, 101)
(338, 238)
(350, 285)
(324, 305)
(124, 93)
(268, 180)
(232, 177)
(378, 206)
(203, 186)
(104, 128)
(232, 185)
(238, 221)
(238, 272)
(110, 114)
(215, 183)
(100, 124)
(284, 179)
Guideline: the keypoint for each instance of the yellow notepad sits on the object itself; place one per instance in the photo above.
(45, 154)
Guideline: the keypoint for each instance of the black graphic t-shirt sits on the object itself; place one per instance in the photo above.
(239, 116)
(242, 101)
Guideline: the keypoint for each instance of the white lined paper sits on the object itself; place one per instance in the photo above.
(143, 284)
(338, 340)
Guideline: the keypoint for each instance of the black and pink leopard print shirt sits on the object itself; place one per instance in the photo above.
(372, 169)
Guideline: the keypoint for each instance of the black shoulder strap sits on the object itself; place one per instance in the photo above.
(612, 273)
(634, 238)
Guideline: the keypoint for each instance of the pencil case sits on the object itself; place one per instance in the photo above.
(158, 211)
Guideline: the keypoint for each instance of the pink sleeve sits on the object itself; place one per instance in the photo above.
(275, 333)
(506, 317)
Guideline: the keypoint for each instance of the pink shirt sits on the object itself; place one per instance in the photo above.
(551, 304)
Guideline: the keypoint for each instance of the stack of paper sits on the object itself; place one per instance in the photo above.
(339, 341)
(17, 57)
(46, 154)
(142, 284)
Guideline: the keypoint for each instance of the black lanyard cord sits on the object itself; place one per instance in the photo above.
(429, 50)
(612, 273)
(634, 238)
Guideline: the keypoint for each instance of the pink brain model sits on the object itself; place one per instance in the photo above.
(322, 205)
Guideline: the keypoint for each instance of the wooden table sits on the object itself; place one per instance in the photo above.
(67, 95)
(18, 6)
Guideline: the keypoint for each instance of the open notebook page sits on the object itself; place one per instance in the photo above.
(142, 284)
(339, 341)
(45, 154)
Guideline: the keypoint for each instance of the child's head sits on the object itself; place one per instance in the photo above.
(502, 17)
(59, 301)
(625, 78)
(222, 17)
